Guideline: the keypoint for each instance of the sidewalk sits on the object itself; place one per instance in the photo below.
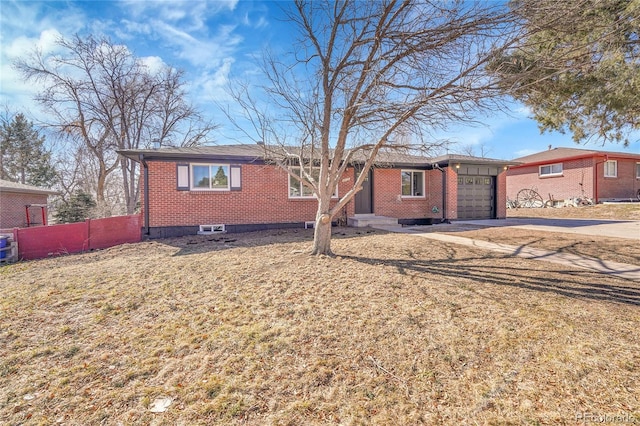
(621, 270)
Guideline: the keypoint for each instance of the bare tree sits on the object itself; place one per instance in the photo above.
(481, 150)
(367, 77)
(104, 97)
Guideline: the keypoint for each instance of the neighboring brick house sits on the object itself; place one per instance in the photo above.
(17, 200)
(233, 185)
(564, 173)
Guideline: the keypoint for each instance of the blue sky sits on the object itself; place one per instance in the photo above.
(213, 41)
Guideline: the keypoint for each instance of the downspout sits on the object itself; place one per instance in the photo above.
(444, 193)
(595, 176)
(145, 196)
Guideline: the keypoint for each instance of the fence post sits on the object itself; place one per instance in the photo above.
(88, 223)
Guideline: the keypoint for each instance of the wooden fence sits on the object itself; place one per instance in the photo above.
(44, 241)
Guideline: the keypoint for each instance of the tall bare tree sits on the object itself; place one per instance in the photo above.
(107, 99)
(367, 76)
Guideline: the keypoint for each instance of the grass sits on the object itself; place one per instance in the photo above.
(593, 246)
(618, 211)
(396, 329)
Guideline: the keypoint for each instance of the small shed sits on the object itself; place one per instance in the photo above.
(23, 205)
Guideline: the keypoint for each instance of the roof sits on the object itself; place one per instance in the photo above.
(557, 154)
(445, 160)
(7, 186)
(258, 153)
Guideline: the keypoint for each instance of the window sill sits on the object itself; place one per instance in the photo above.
(551, 176)
(413, 197)
(309, 198)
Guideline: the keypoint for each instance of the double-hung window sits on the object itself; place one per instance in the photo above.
(297, 189)
(412, 183)
(211, 177)
(611, 168)
(551, 170)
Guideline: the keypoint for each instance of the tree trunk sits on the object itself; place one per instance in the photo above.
(322, 235)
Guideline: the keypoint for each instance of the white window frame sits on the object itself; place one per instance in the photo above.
(303, 197)
(424, 192)
(615, 169)
(213, 167)
(638, 170)
(551, 172)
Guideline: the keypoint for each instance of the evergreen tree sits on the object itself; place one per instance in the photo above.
(23, 156)
(220, 178)
(78, 208)
(578, 69)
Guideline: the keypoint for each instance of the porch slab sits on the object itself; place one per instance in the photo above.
(364, 220)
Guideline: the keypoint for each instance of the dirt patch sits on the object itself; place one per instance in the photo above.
(248, 329)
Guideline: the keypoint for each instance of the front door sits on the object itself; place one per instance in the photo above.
(364, 198)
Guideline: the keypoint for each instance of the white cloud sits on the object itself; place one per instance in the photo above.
(153, 63)
(21, 46)
(523, 111)
(189, 14)
(211, 86)
(202, 52)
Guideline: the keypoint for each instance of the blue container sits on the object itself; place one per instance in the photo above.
(3, 244)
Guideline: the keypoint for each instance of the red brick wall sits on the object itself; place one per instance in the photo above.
(264, 198)
(452, 193)
(576, 180)
(626, 185)
(387, 199)
(501, 195)
(12, 209)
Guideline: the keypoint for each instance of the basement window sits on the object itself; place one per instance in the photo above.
(551, 170)
(412, 183)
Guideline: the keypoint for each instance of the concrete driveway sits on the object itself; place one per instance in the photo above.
(605, 228)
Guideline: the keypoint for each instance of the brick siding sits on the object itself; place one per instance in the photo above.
(264, 198)
(12, 209)
(501, 195)
(625, 185)
(388, 201)
(577, 180)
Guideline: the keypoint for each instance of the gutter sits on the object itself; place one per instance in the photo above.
(145, 196)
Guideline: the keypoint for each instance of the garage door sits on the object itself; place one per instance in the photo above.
(476, 197)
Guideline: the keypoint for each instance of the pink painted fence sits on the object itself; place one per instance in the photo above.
(44, 241)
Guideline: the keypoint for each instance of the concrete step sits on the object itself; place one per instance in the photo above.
(362, 221)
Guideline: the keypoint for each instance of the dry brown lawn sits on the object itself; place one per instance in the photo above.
(248, 329)
(593, 246)
(619, 211)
